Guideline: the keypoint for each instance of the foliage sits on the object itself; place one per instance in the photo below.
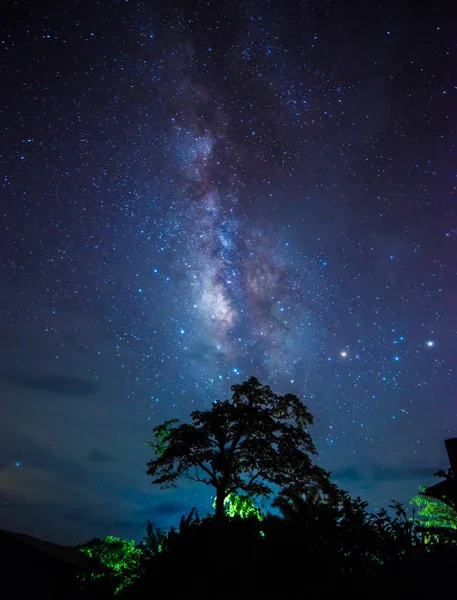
(117, 561)
(339, 531)
(329, 543)
(436, 518)
(434, 512)
(241, 505)
(157, 540)
(249, 443)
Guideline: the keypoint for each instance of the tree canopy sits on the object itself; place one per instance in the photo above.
(253, 441)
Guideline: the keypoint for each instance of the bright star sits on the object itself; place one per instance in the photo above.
(430, 344)
(343, 354)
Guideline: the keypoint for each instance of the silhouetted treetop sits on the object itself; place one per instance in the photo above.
(253, 441)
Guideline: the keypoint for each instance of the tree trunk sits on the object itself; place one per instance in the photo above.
(220, 497)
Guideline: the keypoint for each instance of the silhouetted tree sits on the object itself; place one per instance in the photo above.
(249, 443)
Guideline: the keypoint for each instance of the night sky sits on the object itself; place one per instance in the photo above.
(192, 194)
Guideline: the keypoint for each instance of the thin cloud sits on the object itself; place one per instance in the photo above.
(52, 382)
(377, 473)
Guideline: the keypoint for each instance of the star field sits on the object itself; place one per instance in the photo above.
(196, 194)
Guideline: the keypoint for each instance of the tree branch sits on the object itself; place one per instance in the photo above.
(254, 477)
(197, 478)
(208, 471)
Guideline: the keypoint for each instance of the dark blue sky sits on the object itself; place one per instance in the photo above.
(201, 193)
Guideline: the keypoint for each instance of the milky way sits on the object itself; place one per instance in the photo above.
(192, 195)
(248, 301)
(240, 300)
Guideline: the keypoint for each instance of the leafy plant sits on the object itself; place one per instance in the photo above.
(116, 562)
